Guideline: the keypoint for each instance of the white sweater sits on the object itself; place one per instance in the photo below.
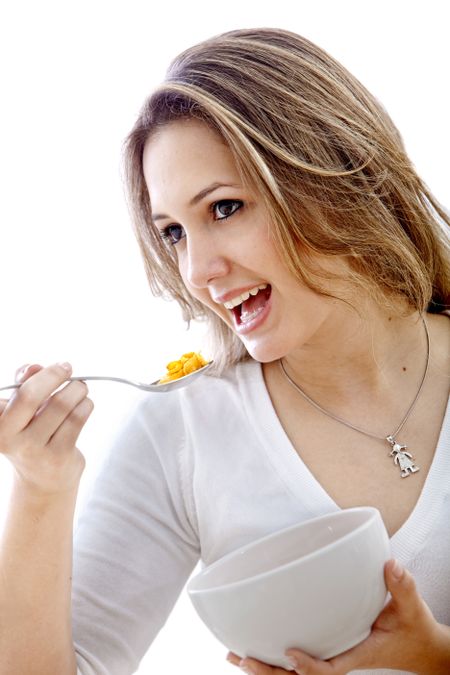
(196, 473)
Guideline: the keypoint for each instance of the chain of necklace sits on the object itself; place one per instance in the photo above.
(403, 459)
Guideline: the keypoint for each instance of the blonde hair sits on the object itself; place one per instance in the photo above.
(325, 158)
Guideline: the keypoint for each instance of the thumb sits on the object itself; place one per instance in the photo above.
(402, 587)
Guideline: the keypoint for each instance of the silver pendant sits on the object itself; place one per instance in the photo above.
(403, 459)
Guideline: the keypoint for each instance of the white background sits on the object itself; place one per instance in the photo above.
(73, 76)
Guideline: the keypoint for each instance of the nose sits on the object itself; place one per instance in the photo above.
(204, 261)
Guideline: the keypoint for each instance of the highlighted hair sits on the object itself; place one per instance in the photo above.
(323, 155)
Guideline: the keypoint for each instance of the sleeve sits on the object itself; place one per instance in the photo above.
(135, 544)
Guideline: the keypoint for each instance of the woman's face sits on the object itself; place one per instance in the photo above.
(221, 234)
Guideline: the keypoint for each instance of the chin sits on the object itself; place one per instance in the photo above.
(264, 353)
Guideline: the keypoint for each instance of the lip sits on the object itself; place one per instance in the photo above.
(249, 326)
(221, 299)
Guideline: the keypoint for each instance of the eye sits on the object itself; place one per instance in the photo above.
(172, 234)
(225, 208)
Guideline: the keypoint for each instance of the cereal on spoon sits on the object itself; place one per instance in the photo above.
(186, 364)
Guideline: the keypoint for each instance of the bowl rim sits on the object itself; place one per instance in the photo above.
(370, 510)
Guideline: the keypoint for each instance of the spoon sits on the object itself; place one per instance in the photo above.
(152, 386)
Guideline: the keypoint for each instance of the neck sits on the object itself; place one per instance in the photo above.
(360, 355)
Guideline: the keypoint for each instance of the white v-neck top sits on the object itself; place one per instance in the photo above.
(196, 473)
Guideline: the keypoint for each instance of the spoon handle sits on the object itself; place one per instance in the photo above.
(139, 385)
(152, 386)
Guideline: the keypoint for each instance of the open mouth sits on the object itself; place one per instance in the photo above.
(254, 306)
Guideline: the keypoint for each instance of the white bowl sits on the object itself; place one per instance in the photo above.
(318, 585)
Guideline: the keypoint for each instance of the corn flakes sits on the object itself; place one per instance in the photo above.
(188, 363)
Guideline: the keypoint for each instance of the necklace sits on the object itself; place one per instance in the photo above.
(401, 457)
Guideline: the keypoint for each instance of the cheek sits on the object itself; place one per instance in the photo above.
(182, 271)
(197, 293)
(203, 296)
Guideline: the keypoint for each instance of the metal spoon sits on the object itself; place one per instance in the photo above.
(153, 386)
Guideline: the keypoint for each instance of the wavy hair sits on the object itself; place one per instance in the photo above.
(321, 152)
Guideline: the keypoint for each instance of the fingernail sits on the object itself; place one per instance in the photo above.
(21, 372)
(245, 668)
(293, 661)
(66, 366)
(397, 570)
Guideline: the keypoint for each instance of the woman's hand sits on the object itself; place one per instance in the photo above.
(39, 426)
(405, 636)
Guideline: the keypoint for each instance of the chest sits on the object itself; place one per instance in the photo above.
(355, 469)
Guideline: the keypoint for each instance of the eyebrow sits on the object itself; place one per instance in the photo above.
(198, 197)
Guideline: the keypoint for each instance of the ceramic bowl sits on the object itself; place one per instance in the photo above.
(318, 585)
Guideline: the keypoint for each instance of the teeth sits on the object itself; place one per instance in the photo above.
(239, 299)
(249, 316)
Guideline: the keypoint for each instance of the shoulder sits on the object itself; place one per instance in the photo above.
(207, 398)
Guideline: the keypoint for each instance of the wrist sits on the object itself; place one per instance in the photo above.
(443, 649)
(439, 651)
(41, 497)
(48, 483)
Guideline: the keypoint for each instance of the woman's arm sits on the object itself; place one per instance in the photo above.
(136, 540)
(38, 432)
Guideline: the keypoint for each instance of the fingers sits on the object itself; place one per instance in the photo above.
(233, 659)
(401, 586)
(307, 665)
(37, 386)
(22, 374)
(55, 411)
(250, 666)
(25, 372)
(406, 604)
(342, 664)
(39, 427)
(67, 434)
(254, 667)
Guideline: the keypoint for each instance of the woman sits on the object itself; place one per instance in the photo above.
(272, 197)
